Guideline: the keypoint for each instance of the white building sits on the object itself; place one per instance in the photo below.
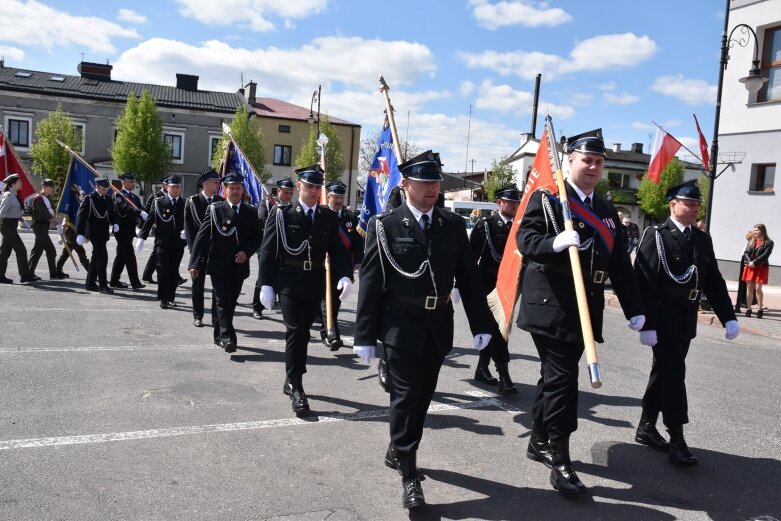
(750, 124)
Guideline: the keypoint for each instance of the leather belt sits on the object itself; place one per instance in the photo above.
(429, 303)
(304, 265)
(691, 294)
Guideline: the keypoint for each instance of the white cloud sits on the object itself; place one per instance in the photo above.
(639, 125)
(503, 98)
(351, 61)
(611, 85)
(517, 12)
(611, 51)
(670, 123)
(365, 107)
(253, 14)
(127, 15)
(12, 53)
(620, 98)
(580, 99)
(35, 24)
(467, 88)
(690, 91)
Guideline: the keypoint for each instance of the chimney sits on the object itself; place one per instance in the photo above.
(95, 71)
(616, 147)
(250, 90)
(187, 82)
(637, 147)
(525, 137)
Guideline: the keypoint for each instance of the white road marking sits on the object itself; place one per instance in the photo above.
(228, 427)
(77, 349)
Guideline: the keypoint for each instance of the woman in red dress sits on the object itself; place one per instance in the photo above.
(755, 272)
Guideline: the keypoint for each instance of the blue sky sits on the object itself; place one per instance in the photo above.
(611, 64)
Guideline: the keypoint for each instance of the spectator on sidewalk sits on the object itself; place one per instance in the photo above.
(755, 272)
(740, 299)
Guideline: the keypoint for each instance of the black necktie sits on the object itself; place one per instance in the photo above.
(687, 233)
(208, 200)
(235, 209)
(587, 202)
(426, 225)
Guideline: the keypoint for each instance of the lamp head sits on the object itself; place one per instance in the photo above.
(754, 81)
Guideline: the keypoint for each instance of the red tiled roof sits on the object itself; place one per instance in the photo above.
(275, 108)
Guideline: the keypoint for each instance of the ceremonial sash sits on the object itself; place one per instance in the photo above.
(348, 244)
(583, 213)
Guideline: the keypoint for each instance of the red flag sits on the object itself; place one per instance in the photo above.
(664, 148)
(502, 299)
(10, 164)
(703, 145)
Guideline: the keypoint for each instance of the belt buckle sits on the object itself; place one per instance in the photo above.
(694, 294)
(431, 302)
(307, 265)
(599, 277)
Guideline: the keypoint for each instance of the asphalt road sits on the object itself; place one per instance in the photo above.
(111, 408)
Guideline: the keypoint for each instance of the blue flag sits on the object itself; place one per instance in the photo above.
(80, 180)
(238, 163)
(383, 176)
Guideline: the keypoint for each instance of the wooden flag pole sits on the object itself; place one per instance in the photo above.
(322, 142)
(65, 243)
(391, 120)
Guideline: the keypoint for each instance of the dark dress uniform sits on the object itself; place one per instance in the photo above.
(292, 258)
(69, 238)
(224, 232)
(194, 212)
(264, 209)
(167, 217)
(151, 263)
(42, 218)
(670, 285)
(404, 301)
(128, 218)
(94, 220)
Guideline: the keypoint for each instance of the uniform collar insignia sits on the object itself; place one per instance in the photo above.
(405, 222)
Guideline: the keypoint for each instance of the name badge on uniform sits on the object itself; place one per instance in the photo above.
(404, 239)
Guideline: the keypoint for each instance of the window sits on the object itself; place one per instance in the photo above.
(175, 141)
(284, 129)
(282, 155)
(618, 180)
(19, 131)
(771, 66)
(214, 142)
(762, 178)
(81, 133)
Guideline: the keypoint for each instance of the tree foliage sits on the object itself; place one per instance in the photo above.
(652, 197)
(249, 137)
(334, 160)
(50, 159)
(140, 145)
(500, 174)
(704, 184)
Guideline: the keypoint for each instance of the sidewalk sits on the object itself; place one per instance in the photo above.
(768, 326)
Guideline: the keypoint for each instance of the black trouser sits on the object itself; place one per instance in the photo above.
(78, 250)
(43, 243)
(98, 263)
(496, 350)
(169, 257)
(198, 284)
(256, 305)
(413, 380)
(225, 295)
(666, 391)
(556, 400)
(298, 314)
(151, 264)
(126, 257)
(336, 305)
(12, 241)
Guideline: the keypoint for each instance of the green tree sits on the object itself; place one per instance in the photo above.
(704, 184)
(500, 174)
(652, 197)
(140, 145)
(250, 139)
(50, 159)
(334, 161)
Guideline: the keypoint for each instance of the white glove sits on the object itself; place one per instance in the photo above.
(115, 228)
(25, 224)
(566, 239)
(138, 232)
(732, 330)
(455, 296)
(80, 240)
(481, 340)
(267, 296)
(648, 338)
(365, 352)
(144, 215)
(60, 241)
(181, 235)
(139, 245)
(346, 286)
(637, 322)
(59, 229)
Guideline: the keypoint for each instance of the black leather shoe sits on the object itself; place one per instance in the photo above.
(118, 284)
(412, 495)
(6, 280)
(172, 303)
(759, 313)
(63, 275)
(648, 435)
(391, 458)
(335, 344)
(198, 322)
(91, 287)
(299, 402)
(181, 281)
(138, 286)
(27, 278)
(482, 374)
(562, 475)
(257, 314)
(150, 280)
(286, 387)
(229, 346)
(58, 276)
(35, 278)
(506, 385)
(748, 313)
(382, 375)
(163, 304)
(538, 450)
(679, 453)
(106, 290)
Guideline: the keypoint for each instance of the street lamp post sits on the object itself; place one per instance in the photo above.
(312, 118)
(753, 83)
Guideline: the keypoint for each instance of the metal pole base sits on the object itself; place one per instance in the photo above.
(595, 375)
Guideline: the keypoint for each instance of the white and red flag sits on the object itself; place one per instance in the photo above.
(703, 145)
(10, 164)
(663, 149)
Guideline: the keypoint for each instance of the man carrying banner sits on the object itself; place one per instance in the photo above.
(413, 254)
(353, 244)
(487, 241)
(10, 214)
(285, 190)
(127, 207)
(292, 263)
(228, 236)
(42, 215)
(93, 221)
(194, 211)
(167, 217)
(548, 302)
(151, 263)
(675, 263)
